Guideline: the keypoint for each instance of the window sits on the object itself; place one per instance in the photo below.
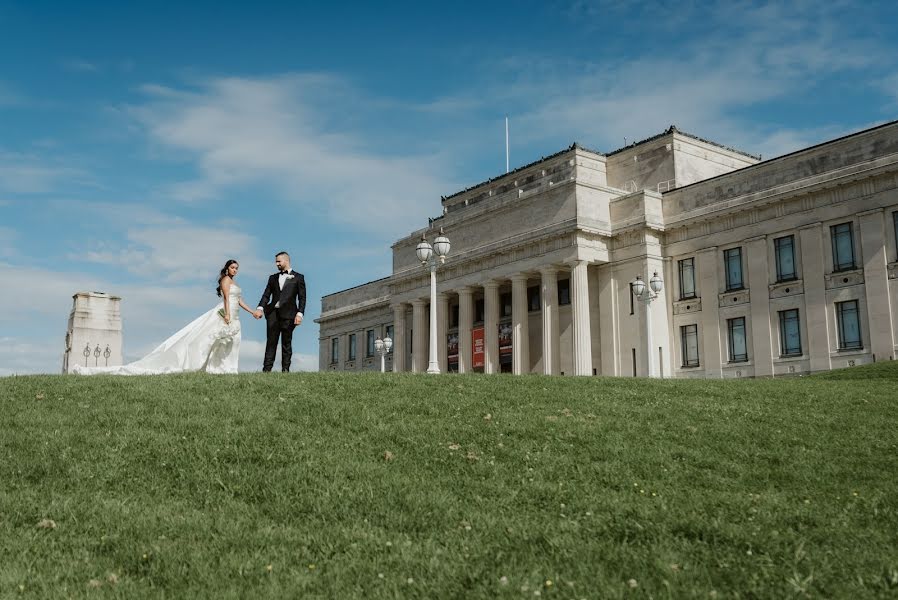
(533, 298)
(351, 347)
(849, 325)
(843, 247)
(505, 305)
(389, 334)
(564, 292)
(784, 248)
(736, 334)
(732, 261)
(335, 350)
(369, 343)
(895, 219)
(790, 333)
(689, 343)
(687, 278)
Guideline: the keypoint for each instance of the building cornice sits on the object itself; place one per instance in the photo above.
(828, 180)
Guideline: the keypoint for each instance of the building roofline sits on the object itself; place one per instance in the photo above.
(577, 146)
(357, 286)
(785, 156)
(673, 129)
(574, 146)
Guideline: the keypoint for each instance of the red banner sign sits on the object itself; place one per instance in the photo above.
(478, 347)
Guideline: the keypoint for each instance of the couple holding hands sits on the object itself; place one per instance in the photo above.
(211, 343)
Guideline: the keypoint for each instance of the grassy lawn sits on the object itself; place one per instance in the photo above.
(384, 486)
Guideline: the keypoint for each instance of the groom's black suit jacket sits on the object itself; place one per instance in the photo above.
(292, 298)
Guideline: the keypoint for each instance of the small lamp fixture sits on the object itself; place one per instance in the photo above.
(639, 286)
(441, 246)
(424, 250)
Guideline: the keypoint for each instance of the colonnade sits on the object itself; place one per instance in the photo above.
(520, 325)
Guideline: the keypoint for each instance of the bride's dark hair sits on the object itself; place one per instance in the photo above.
(223, 274)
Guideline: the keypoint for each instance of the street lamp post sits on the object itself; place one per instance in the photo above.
(647, 293)
(383, 347)
(433, 256)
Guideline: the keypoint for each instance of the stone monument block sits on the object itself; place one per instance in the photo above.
(94, 334)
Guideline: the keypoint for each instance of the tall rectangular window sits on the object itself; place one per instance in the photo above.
(369, 343)
(736, 334)
(335, 350)
(533, 301)
(784, 248)
(843, 247)
(689, 344)
(351, 355)
(505, 305)
(790, 333)
(849, 325)
(732, 262)
(687, 278)
(564, 292)
(895, 223)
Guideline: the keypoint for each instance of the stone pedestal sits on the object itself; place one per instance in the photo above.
(94, 334)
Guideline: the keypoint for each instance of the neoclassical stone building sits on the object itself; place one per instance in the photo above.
(770, 268)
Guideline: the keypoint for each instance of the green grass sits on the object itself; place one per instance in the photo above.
(278, 486)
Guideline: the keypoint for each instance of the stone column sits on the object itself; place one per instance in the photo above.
(812, 275)
(399, 337)
(442, 328)
(609, 321)
(419, 333)
(709, 291)
(549, 301)
(580, 310)
(491, 327)
(465, 325)
(520, 330)
(876, 284)
(759, 294)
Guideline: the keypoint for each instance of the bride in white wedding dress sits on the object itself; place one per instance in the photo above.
(211, 343)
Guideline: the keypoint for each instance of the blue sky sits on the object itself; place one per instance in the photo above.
(142, 144)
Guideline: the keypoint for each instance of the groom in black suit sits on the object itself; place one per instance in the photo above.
(282, 303)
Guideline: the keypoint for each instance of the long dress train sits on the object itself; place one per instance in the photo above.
(206, 344)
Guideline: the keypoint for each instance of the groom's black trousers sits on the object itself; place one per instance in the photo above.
(282, 328)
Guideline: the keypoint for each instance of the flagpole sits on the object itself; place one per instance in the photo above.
(506, 143)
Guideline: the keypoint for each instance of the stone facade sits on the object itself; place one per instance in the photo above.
(770, 268)
(94, 334)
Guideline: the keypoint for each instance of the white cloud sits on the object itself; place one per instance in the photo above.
(20, 356)
(29, 174)
(287, 135)
(744, 57)
(8, 237)
(178, 252)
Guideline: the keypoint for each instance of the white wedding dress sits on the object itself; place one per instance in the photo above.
(207, 344)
